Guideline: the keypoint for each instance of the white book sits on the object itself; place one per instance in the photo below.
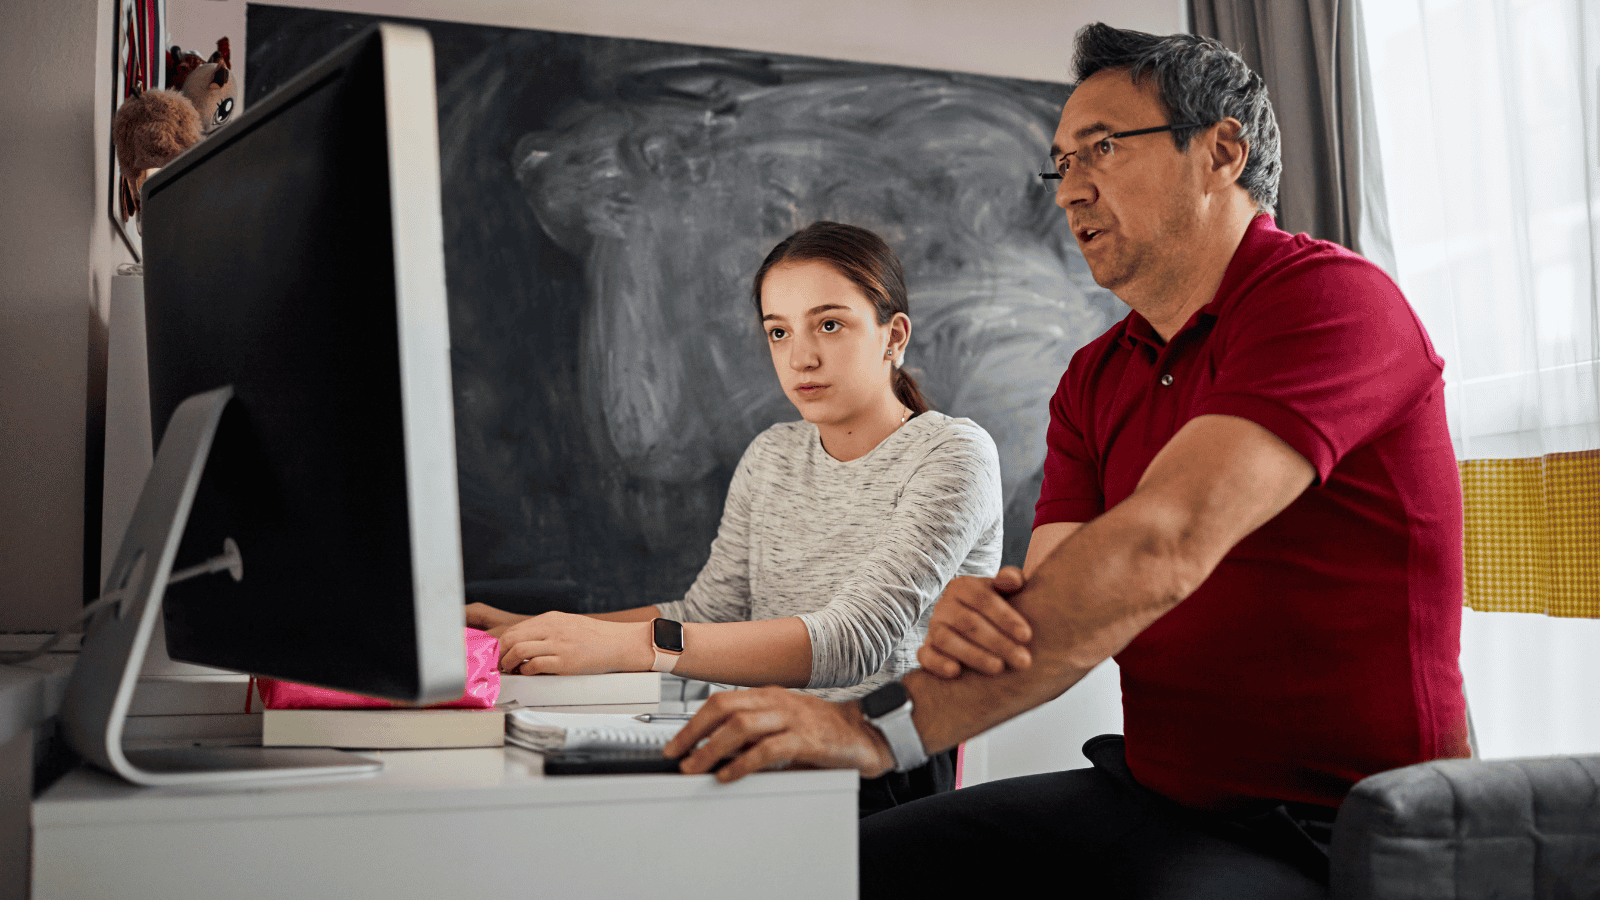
(539, 729)
(188, 695)
(210, 729)
(580, 690)
(383, 729)
(28, 641)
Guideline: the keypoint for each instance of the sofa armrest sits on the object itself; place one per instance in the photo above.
(1464, 828)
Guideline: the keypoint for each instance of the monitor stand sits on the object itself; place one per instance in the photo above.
(114, 645)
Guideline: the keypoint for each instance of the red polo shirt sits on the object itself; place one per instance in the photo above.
(1324, 647)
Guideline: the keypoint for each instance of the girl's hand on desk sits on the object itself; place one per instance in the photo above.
(484, 617)
(558, 643)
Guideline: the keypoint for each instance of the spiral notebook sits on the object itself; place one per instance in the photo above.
(541, 730)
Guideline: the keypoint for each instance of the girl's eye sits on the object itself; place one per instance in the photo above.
(776, 334)
(830, 326)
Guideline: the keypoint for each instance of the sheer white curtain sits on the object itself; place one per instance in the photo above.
(1486, 113)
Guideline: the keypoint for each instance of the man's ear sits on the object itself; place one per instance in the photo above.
(1226, 152)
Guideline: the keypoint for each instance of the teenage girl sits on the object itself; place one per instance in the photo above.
(839, 532)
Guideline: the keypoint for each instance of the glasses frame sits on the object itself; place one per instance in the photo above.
(1053, 175)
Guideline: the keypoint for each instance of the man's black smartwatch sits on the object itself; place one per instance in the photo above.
(889, 710)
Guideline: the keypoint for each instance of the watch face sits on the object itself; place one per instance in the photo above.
(668, 635)
(884, 700)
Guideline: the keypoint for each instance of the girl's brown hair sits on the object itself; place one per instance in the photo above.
(867, 261)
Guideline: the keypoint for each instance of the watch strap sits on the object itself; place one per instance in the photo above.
(901, 733)
(665, 657)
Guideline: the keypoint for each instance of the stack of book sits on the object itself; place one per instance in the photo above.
(413, 729)
(383, 729)
(584, 693)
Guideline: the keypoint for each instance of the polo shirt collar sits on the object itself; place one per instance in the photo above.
(1259, 240)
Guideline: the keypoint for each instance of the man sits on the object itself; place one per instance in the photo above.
(1250, 500)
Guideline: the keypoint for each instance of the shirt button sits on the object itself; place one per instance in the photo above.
(1166, 380)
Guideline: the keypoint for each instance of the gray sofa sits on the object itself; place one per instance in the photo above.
(1467, 829)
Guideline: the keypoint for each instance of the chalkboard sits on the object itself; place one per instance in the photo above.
(606, 203)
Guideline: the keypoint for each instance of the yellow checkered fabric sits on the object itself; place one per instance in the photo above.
(1533, 534)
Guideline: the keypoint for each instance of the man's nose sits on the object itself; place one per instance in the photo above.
(1075, 188)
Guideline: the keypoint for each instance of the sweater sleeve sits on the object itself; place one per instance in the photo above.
(721, 592)
(950, 503)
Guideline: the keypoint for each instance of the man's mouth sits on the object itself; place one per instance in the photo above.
(1085, 235)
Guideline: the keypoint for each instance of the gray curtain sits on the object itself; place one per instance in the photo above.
(1312, 54)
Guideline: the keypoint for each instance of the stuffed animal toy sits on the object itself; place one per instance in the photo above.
(148, 130)
(209, 84)
(153, 127)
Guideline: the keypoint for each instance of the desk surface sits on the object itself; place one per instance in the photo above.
(447, 823)
(411, 780)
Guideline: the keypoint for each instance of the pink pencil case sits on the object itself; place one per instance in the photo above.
(483, 685)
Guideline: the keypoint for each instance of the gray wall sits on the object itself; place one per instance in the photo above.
(56, 261)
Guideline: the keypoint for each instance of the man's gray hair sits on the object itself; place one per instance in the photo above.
(1200, 82)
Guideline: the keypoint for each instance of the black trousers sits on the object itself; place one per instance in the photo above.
(1090, 833)
(935, 776)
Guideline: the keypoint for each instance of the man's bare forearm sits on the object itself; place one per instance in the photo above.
(1103, 585)
(1217, 480)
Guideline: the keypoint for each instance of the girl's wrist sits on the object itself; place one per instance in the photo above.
(641, 646)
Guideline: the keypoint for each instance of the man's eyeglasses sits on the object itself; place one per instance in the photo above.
(1098, 152)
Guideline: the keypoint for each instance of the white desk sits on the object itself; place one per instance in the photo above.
(446, 824)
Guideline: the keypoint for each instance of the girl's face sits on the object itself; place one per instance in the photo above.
(832, 356)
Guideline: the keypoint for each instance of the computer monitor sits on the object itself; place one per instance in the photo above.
(298, 346)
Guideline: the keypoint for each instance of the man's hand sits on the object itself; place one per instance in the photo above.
(558, 643)
(774, 728)
(974, 626)
(487, 618)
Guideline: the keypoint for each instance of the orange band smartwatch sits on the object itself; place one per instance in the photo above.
(666, 637)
